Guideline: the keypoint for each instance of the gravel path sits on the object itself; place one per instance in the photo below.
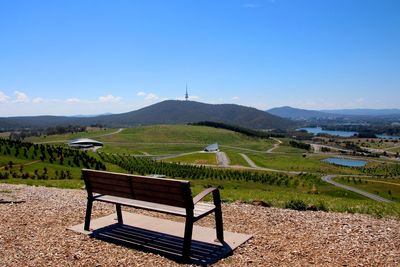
(34, 234)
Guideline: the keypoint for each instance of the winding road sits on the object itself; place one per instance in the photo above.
(328, 179)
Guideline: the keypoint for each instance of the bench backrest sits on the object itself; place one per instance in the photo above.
(158, 190)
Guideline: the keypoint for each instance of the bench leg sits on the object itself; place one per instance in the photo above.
(218, 216)
(219, 224)
(188, 238)
(119, 213)
(88, 214)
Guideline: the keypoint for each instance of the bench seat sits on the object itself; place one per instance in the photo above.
(201, 209)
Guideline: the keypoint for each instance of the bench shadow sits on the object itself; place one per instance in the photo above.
(169, 246)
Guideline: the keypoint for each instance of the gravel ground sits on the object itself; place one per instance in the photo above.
(34, 234)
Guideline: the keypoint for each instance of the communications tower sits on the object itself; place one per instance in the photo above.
(186, 95)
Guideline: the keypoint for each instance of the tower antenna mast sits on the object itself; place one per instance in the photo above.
(186, 95)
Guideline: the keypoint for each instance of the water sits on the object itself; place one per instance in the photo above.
(346, 162)
(317, 130)
(390, 137)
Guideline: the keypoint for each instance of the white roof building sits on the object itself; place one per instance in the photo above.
(212, 148)
(84, 143)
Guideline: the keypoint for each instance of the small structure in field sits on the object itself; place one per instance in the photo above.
(84, 143)
(212, 148)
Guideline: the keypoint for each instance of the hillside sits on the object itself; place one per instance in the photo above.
(300, 114)
(166, 112)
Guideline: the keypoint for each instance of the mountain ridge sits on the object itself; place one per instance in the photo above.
(165, 112)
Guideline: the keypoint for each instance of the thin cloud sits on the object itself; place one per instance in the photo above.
(3, 97)
(38, 100)
(148, 96)
(152, 97)
(109, 99)
(235, 98)
(73, 100)
(21, 97)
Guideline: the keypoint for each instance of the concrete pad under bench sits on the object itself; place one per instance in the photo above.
(163, 237)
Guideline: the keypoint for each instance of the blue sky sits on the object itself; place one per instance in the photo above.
(91, 57)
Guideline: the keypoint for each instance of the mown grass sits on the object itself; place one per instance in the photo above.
(235, 158)
(296, 162)
(4, 160)
(92, 133)
(134, 148)
(196, 158)
(389, 191)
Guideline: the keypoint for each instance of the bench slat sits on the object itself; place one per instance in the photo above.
(200, 208)
(111, 187)
(158, 181)
(113, 193)
(102, 180)
(157, 188)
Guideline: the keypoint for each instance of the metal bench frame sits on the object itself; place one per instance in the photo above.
(138, 192)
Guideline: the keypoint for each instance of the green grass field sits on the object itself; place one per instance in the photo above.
(298, 163)
(63, 138)
(178, 139)
(387, 188)
(196, 158)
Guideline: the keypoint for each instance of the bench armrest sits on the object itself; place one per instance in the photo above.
(203, 194)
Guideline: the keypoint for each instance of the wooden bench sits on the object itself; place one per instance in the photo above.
(155, 194)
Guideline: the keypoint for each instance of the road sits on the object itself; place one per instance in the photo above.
(222, 159)
(275, 146)
(328, 179)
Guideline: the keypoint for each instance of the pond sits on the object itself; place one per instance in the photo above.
(318, 130)
(346, 162)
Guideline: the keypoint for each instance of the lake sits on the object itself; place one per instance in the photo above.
(346, 162)
(390, 137)
(318, 130)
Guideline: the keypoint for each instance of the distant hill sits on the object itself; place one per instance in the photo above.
(300, 114)
(166, 112)
(365, 112)
(304, 114)
(179, 112)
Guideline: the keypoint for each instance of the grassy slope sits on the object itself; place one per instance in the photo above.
(197, 158)
(62, 138)
(296, 162)
(168, 139)
(375, 187)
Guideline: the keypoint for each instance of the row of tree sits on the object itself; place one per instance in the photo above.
(50, 153)
(238, 129)
(148, 166)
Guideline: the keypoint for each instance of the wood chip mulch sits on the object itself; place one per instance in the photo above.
(33, 233)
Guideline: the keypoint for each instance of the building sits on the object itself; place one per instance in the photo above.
(84, 143)
(212, 148)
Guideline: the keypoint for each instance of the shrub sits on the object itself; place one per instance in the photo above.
(321, 206)
(295, 204)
